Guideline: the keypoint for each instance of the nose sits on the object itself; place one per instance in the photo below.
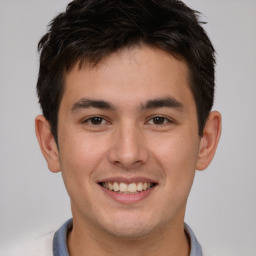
(128, 148)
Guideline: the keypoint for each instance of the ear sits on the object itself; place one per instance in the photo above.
(209, 140)
(47, 143)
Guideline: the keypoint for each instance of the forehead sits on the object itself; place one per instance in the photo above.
(130, 75)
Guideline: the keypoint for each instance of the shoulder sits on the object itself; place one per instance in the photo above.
(40, 246)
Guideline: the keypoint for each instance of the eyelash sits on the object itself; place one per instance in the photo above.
(89, 120)
(161, 119)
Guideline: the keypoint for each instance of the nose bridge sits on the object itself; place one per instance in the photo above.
(128, 148)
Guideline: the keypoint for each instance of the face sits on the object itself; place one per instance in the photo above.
(128, 142)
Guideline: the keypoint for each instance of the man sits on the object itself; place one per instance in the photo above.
(126, 89)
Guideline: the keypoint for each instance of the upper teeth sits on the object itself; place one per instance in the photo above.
(127, 188)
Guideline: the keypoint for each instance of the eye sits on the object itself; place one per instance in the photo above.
(159, 120)
(95, 120)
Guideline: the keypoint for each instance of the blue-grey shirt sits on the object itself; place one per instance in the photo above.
(60, 240)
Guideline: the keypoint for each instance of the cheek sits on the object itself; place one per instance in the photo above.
(80, 156)
(177, 157)
(80, 150)
(176, 150)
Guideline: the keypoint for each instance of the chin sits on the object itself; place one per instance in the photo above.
(130, 227)
(130, 232)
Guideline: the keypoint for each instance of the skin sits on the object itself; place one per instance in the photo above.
(129, 141)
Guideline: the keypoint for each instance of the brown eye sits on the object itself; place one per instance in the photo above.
(159, 120)
(96, 120)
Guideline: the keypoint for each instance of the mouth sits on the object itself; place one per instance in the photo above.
(127, 188)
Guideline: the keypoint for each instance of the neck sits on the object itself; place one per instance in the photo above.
(169, 240)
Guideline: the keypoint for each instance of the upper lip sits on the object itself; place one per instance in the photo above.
(127, 180)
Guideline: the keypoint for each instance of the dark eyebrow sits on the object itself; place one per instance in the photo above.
(169, 102)
(87, 103)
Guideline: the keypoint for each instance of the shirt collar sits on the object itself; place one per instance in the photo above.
(196, 249)
(60, 240)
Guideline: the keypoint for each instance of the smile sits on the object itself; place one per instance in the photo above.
(125, 188)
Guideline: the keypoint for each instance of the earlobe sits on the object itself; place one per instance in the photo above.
(209, 140)
(47, 143)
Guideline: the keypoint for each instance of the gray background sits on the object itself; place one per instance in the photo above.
(222, 205)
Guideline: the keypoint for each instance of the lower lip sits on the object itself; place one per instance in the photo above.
(128, 198)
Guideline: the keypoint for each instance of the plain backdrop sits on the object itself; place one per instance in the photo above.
(222, 205)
